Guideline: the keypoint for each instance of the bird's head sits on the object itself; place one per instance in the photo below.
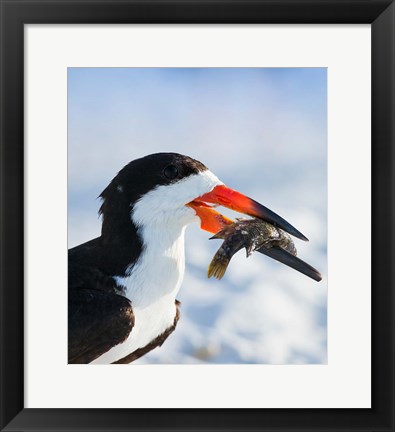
(169, 189)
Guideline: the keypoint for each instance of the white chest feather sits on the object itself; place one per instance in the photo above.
(152, 286)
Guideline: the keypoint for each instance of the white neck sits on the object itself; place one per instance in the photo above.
(159, 271)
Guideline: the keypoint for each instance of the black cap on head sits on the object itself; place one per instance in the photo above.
(142, 175)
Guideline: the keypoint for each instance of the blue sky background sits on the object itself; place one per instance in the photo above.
(261, 131)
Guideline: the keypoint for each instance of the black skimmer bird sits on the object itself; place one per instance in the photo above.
(123, 284)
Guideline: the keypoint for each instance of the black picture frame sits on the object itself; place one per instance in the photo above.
(14, 14)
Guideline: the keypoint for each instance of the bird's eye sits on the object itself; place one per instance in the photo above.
(171, 172)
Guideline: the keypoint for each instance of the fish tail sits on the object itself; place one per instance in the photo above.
(218, 266)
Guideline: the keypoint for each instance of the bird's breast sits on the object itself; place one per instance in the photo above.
(152, 286)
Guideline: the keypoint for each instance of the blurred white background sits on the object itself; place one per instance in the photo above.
(262, 132)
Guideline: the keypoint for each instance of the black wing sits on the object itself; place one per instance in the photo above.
(98, 317)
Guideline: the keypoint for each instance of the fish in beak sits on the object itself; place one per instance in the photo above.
(212, 221)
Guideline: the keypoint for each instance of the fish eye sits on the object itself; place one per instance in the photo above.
(170, 172)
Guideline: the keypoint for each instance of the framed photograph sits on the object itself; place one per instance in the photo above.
(134, 132)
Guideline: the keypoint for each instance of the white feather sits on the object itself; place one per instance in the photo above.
(153, 282)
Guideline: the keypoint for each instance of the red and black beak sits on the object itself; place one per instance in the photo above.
(212, 221)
